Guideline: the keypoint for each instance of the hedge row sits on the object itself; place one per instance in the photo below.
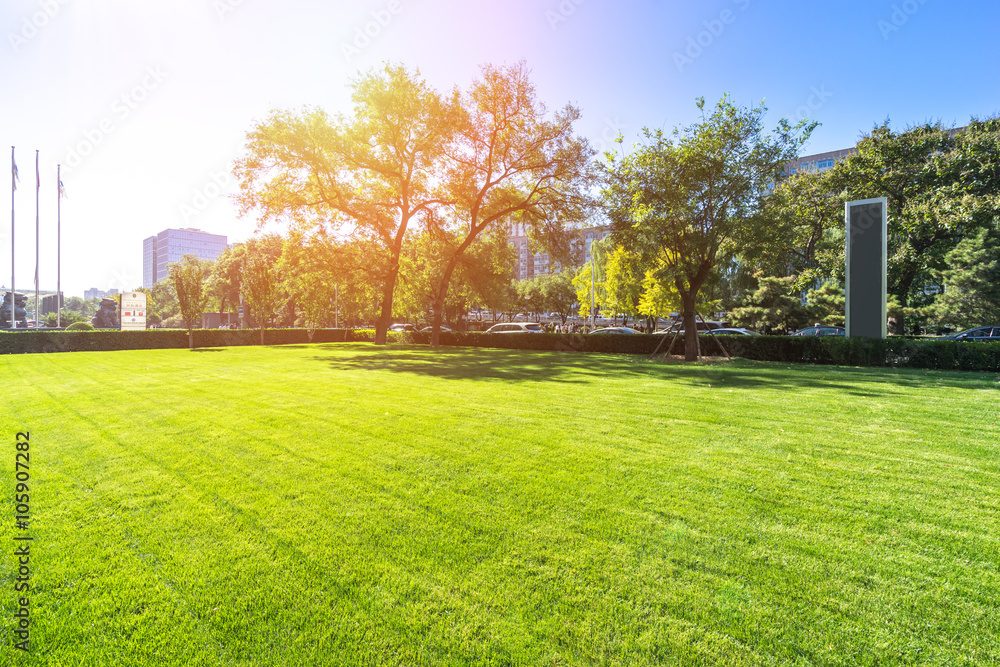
(899, 352)
(896, 352)
(26, 342)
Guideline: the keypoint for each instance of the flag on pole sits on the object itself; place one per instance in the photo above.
(13, 170)
(62, 190)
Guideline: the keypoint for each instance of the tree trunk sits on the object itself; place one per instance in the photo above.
(442, 292)
(690, 328)
(385, 318)
(903, 295)
(261, 334)
(190, 338)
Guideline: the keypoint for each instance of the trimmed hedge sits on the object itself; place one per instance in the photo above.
(898, 352)
(27, 342)
(837, 350)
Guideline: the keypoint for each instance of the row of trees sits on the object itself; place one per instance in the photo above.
(406, 205)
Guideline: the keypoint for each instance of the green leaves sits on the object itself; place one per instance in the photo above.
(691, 198)
(188, 279)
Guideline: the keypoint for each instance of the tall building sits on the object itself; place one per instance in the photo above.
(170, 245)
(149, 261)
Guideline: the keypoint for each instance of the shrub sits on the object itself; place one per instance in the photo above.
(80, 326)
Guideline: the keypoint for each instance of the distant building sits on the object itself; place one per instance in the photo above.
(170, 245)
(817, 163)
(528, 265)
(94, 293)
(149, 261)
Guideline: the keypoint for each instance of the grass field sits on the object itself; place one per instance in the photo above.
(344, 504)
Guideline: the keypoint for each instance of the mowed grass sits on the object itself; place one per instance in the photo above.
(352, 505)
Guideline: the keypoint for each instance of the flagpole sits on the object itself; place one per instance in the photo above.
(38, 188)
(59, 191)
(13, 188)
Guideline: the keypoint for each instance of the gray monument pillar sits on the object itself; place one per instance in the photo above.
(866, 286)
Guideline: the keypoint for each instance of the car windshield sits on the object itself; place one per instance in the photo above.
(533, 327)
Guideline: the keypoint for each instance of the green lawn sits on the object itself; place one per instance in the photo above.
(345, 504)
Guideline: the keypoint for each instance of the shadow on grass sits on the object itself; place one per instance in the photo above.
(485, 364)
(206, 349)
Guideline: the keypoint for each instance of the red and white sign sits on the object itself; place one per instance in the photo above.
(133, 311)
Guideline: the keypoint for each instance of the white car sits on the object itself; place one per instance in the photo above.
(516, 327)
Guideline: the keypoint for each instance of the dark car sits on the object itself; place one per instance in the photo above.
(443, 328)
(821, 331)
(977, 335)
(614, 330)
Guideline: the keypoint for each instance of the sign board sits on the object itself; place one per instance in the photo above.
(867, 233)
(133, 311)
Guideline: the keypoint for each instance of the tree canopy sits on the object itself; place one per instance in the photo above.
(694, 193)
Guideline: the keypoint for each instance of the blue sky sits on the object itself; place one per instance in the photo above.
(147, 103)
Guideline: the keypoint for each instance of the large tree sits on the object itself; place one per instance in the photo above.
(372, 176)
(693, 193)
(188, 280)
(260, 281)
(512, 162)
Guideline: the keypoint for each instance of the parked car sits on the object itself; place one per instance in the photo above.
(516, 327)
(614, 330)
(402, 327)
(443, 328)
(702, 326)
(977, 335)
(821, 331)
(734, 332)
